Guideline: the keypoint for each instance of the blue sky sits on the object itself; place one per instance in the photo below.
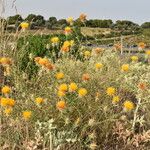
(134, 10)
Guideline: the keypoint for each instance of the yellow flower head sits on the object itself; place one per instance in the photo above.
(148, 52)
(82, 92)
(128, 105)
(125, 67)
(5, 61)
(55, 40)
(24, 25)
(115, 99)
(4, 102)
(110, 91)
(10, 102)
(43, 61)
(82, 17)
(6, 90)
(141, 45)
(63, 87)
(61, 105)
(39, 100)
(68, 30)
(70, 20)
(85, 77)
(134, 58)
(67, 44)
(61, 93)
(27, 115)
(98, 66)
(73, 87)
(87, 54)
(8, 111)
(59, 75)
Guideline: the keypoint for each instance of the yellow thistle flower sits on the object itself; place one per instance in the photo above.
(39, 100)
(59, 75)
(8, 111)
(5, 61)
(134, 58)
(6, 90)
(128, 105)
(82, 92)
(61, 105)
(68, 30)
(110, 91)
(55, 40)
(70, 20)
(141, 45)
(66, 44)
(24, 25)
(4, 102)
(63, 87)
(115, 99)
(61, 93)
(148, 52)
(98, 66)
(87, 54)
(82, 17)
(125, 67)
(10, 102)
(27, 115)
(73, 87)
(43, 61)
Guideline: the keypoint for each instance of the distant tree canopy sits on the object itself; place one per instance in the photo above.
(38, 21)
(14, 19)
(146, 25)
(99, 23)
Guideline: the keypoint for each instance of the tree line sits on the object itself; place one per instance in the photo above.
(38, 21)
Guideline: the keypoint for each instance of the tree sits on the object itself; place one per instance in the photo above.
(146, 25)
(62, 23)
(39, 20)
(31, 18)
(52, 21)
(14, 19)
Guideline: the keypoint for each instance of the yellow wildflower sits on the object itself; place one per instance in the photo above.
(128, 105)
(70, 20)
(115, 99)
(82, 92)
(4, 102)
(61, 93)
(39, 100)
(134, 58)
(61, 105)
(6, 90)
(98, 66)
(55, 40)
(148, 52)
(125, 67)
(63, 87)
(59, 75)
(87, 54)
(24, 25)
(27, 115)
(110, 91)
(8, 111)
(73, 87)
(68, 30)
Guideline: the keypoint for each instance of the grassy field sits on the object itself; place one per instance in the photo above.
(56, 94)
